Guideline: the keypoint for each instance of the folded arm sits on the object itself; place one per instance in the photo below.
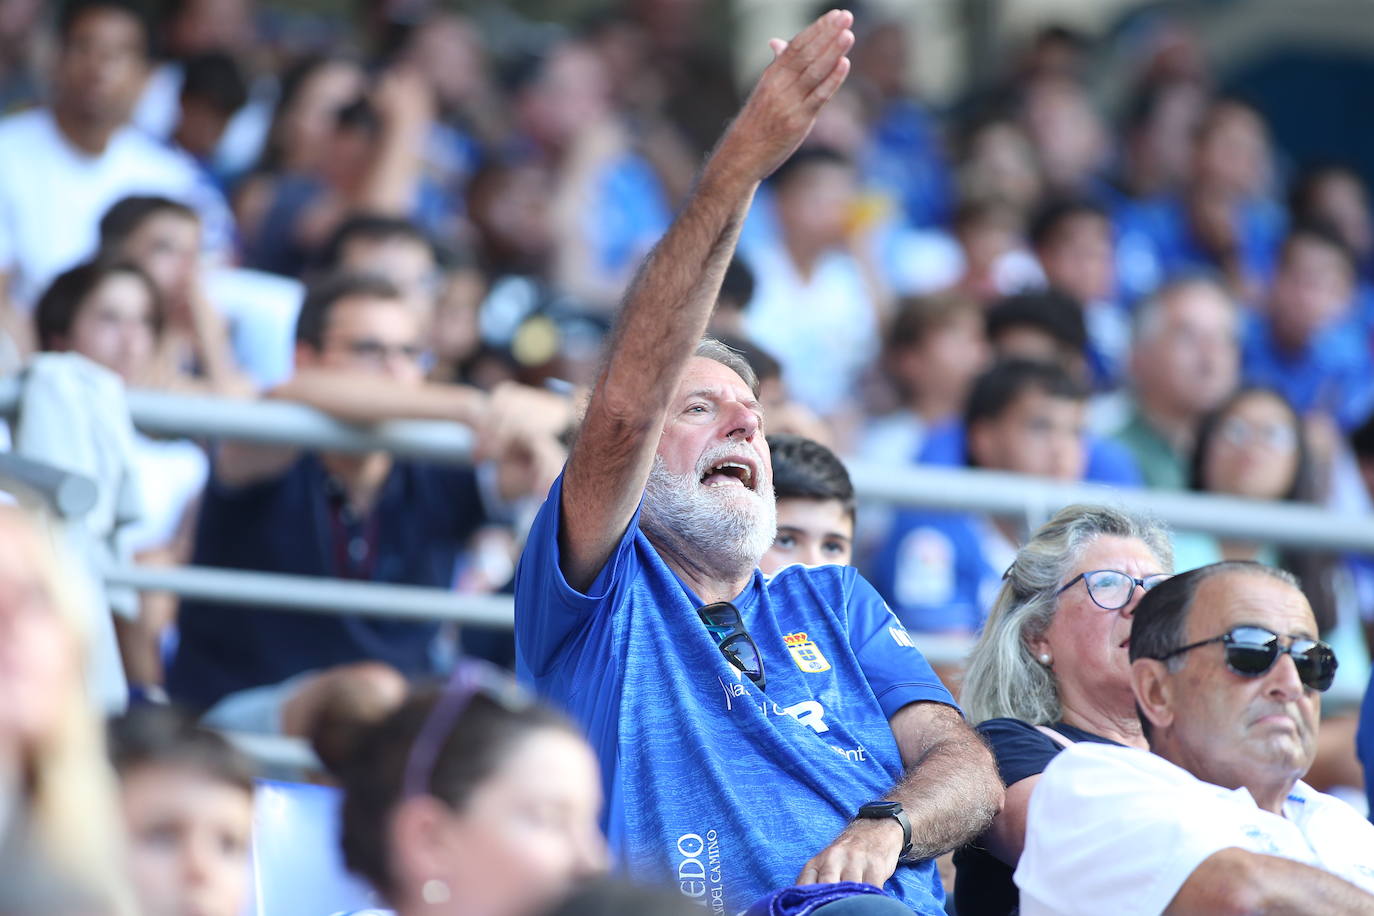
(1235, 881)
(950, 793)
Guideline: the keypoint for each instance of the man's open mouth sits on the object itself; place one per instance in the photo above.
(729, 473)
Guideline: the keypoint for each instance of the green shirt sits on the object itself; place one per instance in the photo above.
(1160, 466)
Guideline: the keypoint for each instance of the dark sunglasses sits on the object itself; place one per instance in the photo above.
(469, 679)
(726, 626)
(1251, 651)
(1111, 589)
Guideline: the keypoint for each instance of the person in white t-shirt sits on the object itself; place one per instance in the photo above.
(1227, 673)
(61, 167)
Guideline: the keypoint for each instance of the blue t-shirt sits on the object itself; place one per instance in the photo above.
(1364, 744)
(940, 571)
(422, 516)
(712, 783)
(1329, 375)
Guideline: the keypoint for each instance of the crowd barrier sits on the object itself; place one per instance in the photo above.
(283, 423)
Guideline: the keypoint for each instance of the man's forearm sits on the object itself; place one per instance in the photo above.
(950, 795)
(1235, 881)
(368, 398)
(669, 301)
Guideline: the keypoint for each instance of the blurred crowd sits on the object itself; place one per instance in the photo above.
(421, 214)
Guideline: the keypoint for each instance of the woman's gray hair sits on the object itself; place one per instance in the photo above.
(1003, 678)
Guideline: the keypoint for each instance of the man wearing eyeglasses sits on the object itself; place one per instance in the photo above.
(754, 732)
(1228, 675)
(369, 517)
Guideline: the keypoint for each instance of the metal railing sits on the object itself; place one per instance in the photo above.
(955, 489)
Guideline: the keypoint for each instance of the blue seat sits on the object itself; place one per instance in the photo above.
(297, 866)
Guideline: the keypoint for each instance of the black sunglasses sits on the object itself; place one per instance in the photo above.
(1111, 589)
(1251, 651)
(726, 626)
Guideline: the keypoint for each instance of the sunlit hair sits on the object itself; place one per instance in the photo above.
(71, 798)
(1004, 679)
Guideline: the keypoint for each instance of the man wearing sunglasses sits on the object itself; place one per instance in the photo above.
(1228, 675)
(754, 732)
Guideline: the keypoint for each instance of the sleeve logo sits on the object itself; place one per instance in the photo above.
(805, 653)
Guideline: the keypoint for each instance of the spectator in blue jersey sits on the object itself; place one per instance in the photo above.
(754, 732)
(366, 517)
(1307, 344)
(1072, 239)
(1050, 669)
(1225, 219)
(1044, 326)
(1185, 361)
(939, 571)
(815, 505)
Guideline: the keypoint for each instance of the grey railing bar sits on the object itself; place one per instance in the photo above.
(317, 595)
(69, 495)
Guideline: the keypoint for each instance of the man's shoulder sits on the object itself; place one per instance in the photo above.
(1101, 769)
(26, 126)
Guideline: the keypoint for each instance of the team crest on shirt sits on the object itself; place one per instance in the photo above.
(805, 653)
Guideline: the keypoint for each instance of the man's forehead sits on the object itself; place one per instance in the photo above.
(1233, 598)
(706, 376)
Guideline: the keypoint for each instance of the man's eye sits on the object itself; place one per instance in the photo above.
(785, 541)
(833, 547)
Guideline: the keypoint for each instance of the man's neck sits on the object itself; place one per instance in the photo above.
(361, 476)
(1175, 427)
(1269, 794)
(933, 406)
(804, 256)
(709, 584)
(88, 136)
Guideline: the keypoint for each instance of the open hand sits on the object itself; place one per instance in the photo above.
(779, 113)
(865, 852)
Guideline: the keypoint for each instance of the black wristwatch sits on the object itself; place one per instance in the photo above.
(881, 810)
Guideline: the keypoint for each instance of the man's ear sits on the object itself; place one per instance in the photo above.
(1154, 692)
(306, 356)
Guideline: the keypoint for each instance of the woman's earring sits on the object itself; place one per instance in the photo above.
(435, 892)
(1045, 659)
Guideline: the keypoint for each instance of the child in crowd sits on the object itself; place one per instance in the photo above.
(815, 506)
(188, 809)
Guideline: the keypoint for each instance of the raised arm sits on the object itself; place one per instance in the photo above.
(669, 301)
(950, 793)
(1236, 881)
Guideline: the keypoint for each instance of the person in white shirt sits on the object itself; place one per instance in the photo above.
(61, 167)
(1227, 673)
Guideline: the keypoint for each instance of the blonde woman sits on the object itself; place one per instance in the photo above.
(1051, 668)
(60, 847)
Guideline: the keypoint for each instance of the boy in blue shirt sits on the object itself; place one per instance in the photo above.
(753, 732)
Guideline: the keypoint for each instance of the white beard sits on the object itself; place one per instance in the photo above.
(726, 530)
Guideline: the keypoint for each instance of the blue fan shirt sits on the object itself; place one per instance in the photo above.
(722, 788)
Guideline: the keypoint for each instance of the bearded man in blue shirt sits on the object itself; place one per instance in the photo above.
(754, 732)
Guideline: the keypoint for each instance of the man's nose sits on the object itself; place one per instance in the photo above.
(742, 422)
(1282, 681)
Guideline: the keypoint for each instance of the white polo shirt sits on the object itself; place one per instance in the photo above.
(52, 196)
(1119, 830)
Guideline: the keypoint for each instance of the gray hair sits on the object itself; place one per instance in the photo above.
(1003, 678)
(730, 358)
(1145, 319)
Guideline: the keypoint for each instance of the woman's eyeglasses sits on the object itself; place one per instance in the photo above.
(1111, 589)
(1251, 651)
(726, 626)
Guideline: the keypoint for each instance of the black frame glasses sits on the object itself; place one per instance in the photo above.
(1252, 650)
(726, 626)
(1146, 583)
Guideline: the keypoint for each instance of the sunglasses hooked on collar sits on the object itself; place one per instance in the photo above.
(1251, 651)
(726, 626)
